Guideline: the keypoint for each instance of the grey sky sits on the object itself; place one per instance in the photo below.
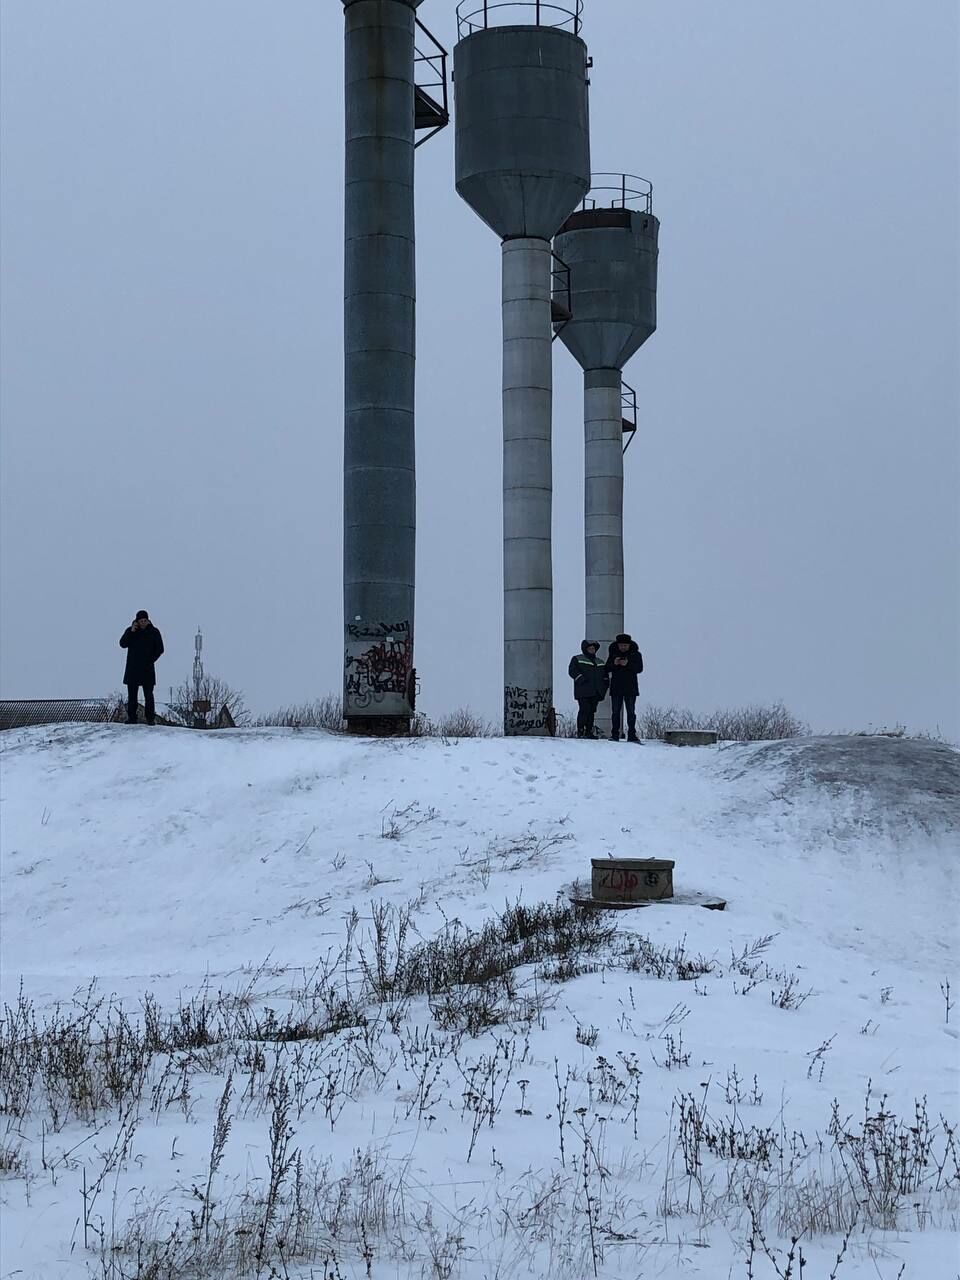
(171, 356)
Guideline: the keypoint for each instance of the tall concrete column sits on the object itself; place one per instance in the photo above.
(523, 165)
(603, 511)
(379, 499)
(527, 486)
(611, 251)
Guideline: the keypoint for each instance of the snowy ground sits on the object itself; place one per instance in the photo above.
(623, 1109)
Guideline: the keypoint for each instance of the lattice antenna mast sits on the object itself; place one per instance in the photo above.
(197, 670)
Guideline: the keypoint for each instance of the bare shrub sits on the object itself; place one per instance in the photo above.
(400, 822)
(566, 726)
(876, 1173)
(460, 723)
(421, 727)
(217, 692)
(84, 1062)
(793, 1261)
(322, 713)
(306, 1216)
(464, 723)
(74, 1065)
(474, 1010)
(675, 1055)
(786, 993)
(654, 721)
(221, 1133)
(462, 957)
(757, 722)
(887, 1161)
(514, 853)
(641, 955)
(753, 723)
(13, 1163)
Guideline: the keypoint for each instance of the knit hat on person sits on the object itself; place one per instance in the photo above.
(142, 613)
(624, 640)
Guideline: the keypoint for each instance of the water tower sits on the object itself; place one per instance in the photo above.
(523, 165)
(610, 246)
(395, 87)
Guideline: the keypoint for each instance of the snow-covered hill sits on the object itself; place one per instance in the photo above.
(614, 1105)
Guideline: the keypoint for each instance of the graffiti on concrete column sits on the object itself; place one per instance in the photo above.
(378, 661)
(525, 710)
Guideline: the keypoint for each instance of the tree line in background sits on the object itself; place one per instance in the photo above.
(755, 722)
(752, 723)
(179, 709)
(738, 724)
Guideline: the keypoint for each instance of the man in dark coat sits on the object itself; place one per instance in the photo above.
(623, 666)
(144, 645)
(589, 685)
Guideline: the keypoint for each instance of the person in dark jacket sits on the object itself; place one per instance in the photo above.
(144, 645)
(589, 685)
(623, 666)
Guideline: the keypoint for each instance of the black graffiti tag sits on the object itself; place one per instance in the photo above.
(376, 630)
(373, 672)
(525, 709)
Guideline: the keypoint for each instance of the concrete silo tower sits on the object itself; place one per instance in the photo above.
(610, 248)
(523, 165)
(395, 86)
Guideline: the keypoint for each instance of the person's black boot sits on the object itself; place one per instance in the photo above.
(633, 738)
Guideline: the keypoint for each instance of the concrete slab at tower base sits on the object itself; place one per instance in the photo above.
(691, 737)
(580, 898)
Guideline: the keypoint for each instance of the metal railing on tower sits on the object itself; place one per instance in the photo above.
(619, 191)
(478, 15)
(430, 93)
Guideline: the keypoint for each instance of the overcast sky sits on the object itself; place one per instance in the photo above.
(171, 228)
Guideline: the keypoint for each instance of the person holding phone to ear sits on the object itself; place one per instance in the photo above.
(144, 645)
